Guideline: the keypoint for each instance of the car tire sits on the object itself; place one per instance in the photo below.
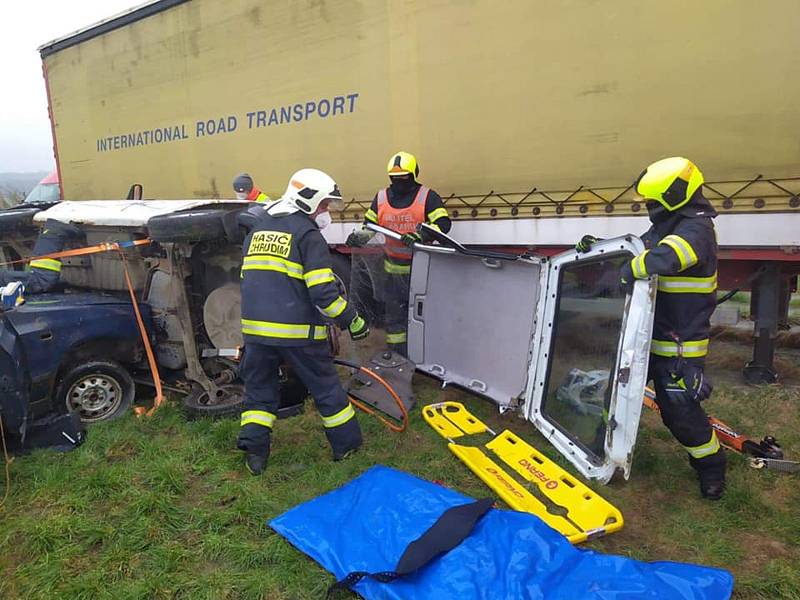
(198, 405)
(98, 390)
(14, 219)
(186, 227)
(292, 400)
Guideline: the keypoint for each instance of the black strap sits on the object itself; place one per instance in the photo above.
(450, 529)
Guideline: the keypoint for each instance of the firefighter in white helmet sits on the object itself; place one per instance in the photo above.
(288, 293)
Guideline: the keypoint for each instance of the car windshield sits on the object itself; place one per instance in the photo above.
(586, 334)
(44, 193)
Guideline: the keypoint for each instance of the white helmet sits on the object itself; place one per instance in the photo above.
(308, 188)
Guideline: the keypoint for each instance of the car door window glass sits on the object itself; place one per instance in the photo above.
(585, 339)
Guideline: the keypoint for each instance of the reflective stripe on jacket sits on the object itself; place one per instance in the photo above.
(288, 285)
(685, 259)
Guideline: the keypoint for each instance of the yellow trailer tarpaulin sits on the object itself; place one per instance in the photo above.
(489, 95)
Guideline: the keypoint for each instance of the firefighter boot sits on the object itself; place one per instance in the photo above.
(345, 440)
(254, 440)
(711, 473)
(255, 463)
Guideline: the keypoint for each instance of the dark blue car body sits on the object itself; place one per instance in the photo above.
(51, 332)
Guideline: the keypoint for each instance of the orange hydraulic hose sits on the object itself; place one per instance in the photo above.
(399, 428)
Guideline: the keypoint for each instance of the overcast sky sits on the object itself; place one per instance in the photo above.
(25, 139)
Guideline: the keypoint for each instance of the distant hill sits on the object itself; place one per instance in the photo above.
(15, 186)
(20, 182)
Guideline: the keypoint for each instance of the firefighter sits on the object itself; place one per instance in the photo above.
(44, 273)
(401, 207)
(681, 248)
(287, 288)
(246, 190)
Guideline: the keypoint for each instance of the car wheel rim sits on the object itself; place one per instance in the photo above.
(94, 397)
(227, 395)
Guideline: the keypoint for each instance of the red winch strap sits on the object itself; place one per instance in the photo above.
(104, 247)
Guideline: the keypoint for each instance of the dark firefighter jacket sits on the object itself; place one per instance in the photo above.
(288, 284)
(682, 251)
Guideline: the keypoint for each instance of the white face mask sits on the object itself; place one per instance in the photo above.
(241, 195)
(323, 219)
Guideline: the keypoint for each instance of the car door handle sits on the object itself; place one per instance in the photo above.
(492, 263)
(418, 309)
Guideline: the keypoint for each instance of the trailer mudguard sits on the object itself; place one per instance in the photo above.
(367, 524)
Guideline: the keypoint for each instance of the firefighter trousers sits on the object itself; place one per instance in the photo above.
(684, 416)
(396, 302)
(314, 366)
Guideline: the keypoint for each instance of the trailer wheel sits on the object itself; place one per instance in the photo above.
(190, 226)
(228, 403)
(14, 219)
(98, 390)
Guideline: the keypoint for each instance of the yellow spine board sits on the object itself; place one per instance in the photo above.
(451, 420)
(511, 492)
(561, 501)
(591, 513)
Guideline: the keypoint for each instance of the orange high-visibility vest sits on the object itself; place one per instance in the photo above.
(401, 220)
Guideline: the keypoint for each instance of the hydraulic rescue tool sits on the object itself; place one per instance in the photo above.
(765, 453)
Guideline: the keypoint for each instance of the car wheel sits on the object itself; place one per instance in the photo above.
(228, 402)
(190, 226)
(98, 390)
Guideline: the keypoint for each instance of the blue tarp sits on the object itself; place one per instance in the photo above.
(367, 524)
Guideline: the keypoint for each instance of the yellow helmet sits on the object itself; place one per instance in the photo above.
(669, 181)
(403, 163)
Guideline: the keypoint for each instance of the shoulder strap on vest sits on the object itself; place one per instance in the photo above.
(422, 195)
(382, 197)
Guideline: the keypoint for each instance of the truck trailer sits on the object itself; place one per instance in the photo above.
(530, 118)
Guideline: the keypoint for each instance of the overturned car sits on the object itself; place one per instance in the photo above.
(79, 348)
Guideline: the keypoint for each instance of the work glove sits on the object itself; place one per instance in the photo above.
(358, 238)
(411, 238)
(698, 386)
(359, 329)
(586, 243)
(626, 278)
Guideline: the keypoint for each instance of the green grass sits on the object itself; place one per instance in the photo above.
(162, 507)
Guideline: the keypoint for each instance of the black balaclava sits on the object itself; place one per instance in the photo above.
(665, 221)
(402, 184)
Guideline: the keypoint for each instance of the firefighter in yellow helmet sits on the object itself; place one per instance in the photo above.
(401, 207)
(681, 248)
